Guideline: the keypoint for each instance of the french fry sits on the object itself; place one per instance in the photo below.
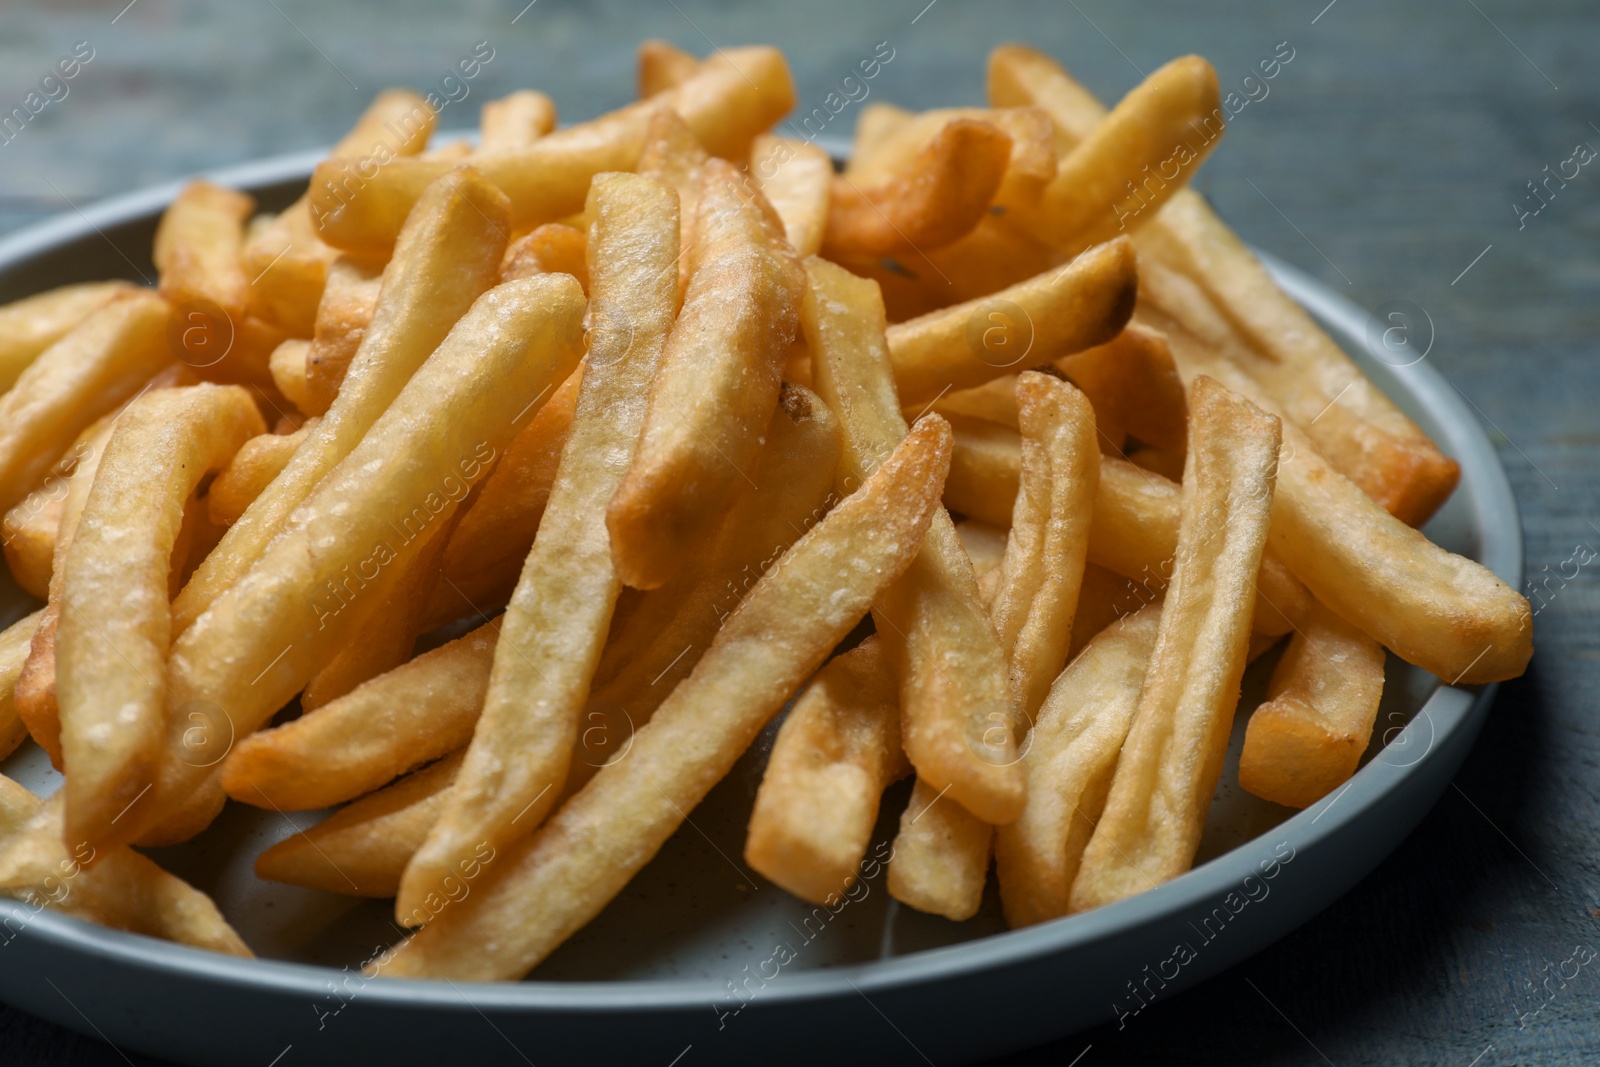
(994, 401)
(985, 544)
(254, 465)
(546, 887)
(939, 195)
(556, 624)
(876, 124)
(123, 890)
(834, 756)
(1134, 387)
(1308, 737)
(673, 155)
(796, 177)
(1102, 600)
(1019, 76)
(489, 545)
(990, 257)
(349, 301)
(948, 660)
(735, 95)
(515, 121)
(899, 136)
(448, 256)
(111, 642)
(1172, 758)
(15, 643)
(286, 261)
(1445, 613)
(198, 247)
(29, 529)
(362, 849)
(88, 373)
(417, 712)
(1118, 176)
(1071, 758)
(941, 856)
(34, 323)
(1065, 310)
(550, 249)
(663, 66)
(263, 638)
(287, 365)
(717, 385)
(984, 469)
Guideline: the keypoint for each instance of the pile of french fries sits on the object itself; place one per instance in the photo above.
(629, 425)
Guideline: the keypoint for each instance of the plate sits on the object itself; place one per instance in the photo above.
(700, 960)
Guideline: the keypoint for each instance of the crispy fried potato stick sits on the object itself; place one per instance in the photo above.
(123, 890)
(900, 136)
(349, 301)
(1064, 310)
(1445, 613)
(984, 470)
(985, 544)
(29, 529)
(484, 558)
(88, 373)
(15, 642)
(1306, 740)
(556, 624)
(1134, 386)
(834, 756)
(385, 727)
(875, 125)
(1172, 758)
(258, 461)
(939, 195)
(663, 66)
(1071, 757)
(951, 669)
(198, 246)
(284, 257)
(941, 856)
(717, 385)
(550, 249)
(115, 628)
(989, 258)
(362, 849)
(1117, 177)
(448, 255)
(736, 94)
(796, 177)
(1103, 599)
(264, 637)
(1361, 431)
(34, 323)
(674, 156)
(541, 890)
(287, 365)
(515, 121)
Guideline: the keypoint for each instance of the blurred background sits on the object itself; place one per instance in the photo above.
(1391, 157)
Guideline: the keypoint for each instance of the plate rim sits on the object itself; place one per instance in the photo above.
(1497, 522)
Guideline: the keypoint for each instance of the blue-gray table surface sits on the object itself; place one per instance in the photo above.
(1391, 158)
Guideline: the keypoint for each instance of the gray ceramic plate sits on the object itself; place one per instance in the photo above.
(700, 960)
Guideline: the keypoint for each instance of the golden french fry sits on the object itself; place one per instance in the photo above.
(985, 260)
(362, 849)
(1308, 737)
(1102, 600)
(663, 66)
(29, 529)
(88, 373)
(796, 177)
(937, 196)
(287, 365)
(1071, 758)
(448, 256)
(1172, 758)
(717, 385)
(263, 638)
(541, 890)
(835, 754)
(875, 126)
(198, 251)
(552, 248)
(417, 712)
(515, 121)
(254, 465)
(484, 558)
(34, 323)
(993, 401)
(15, 643)
(556, 624)
(1064, 310)
(1134, 387)
(735, 95)
(984, 469)
(985, 543)
(349, 301)
(1129, 165)
(123, 890)
(951, 669)
(941, 856)
(1445, 613)
(111, 643)
(673, 155)
(1020, 76)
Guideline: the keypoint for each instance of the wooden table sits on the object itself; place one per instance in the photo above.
(1385, 158)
